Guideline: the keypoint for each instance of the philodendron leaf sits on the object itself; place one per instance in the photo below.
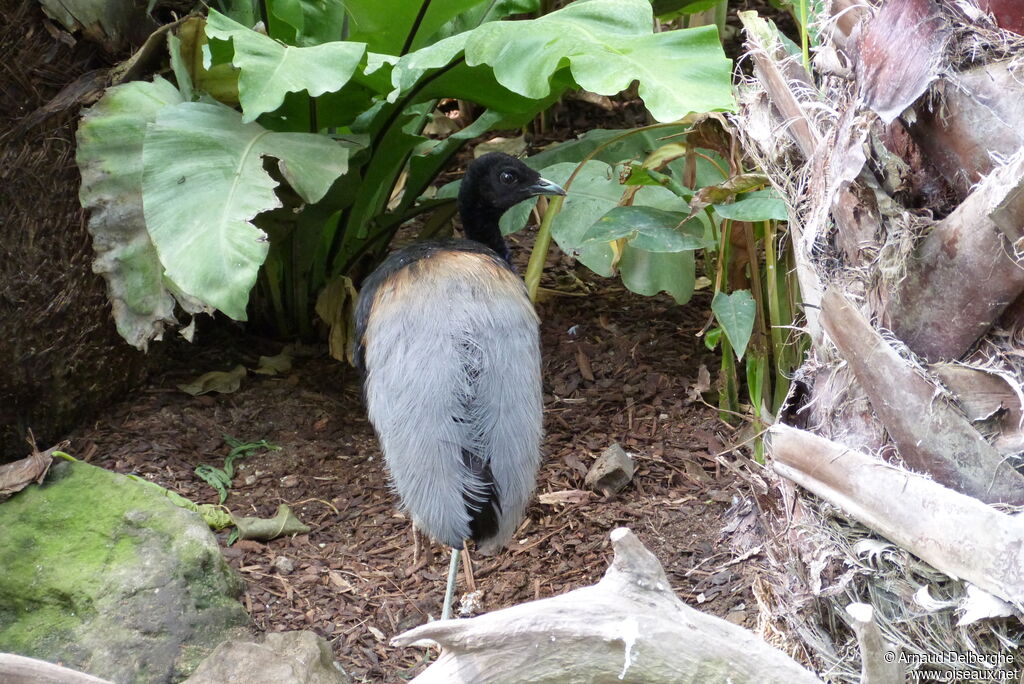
(269, 69)
(607, 44)
(761, 205)
(395, 27)
(735, 313)
(313, 21)
(649, 229)
(204, 182)
(109, 156)
(593, 193)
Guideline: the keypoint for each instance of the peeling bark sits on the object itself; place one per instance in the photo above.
(970, 117)
(987, 397)
(898, 55)
(964, 273)
(932, 436)
(954, 533)
(629, 627)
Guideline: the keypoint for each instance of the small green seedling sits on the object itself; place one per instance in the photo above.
(220, 479)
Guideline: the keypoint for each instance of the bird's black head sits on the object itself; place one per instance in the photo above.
(493, 184)
(501, 181)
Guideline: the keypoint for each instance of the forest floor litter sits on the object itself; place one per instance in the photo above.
(617, 368)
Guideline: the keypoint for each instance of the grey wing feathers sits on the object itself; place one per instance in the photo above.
(453, 367)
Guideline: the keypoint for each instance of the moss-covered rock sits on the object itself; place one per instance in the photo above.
(107, 576)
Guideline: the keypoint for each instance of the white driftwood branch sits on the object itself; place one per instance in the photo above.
(16, 669)
(953, 532)
(876, 668)
(629, 627)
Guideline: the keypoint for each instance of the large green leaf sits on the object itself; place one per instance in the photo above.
(592, 193)
(308, 22)
(607, 44)
(269, 69)
(493, 10)
(735, 313)
(204, 182)
(109, 155)
(649, 229)
(616, 145)
(396, 27)
(760, 205)
(649, 273)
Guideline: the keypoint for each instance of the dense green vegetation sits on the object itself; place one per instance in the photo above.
(274, 165)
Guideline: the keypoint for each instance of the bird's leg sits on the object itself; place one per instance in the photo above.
(449, 591)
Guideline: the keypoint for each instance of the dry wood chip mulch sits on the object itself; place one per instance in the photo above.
(617, 368)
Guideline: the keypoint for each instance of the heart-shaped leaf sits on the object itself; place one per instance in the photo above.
(735, 313)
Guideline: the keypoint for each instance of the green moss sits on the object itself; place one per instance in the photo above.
(77, 540)
(53, 567)
(50, 557)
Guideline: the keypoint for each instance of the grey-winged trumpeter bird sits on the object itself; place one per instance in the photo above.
(448, 342)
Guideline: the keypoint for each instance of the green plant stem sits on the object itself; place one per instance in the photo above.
(804, 46)
(721, 15)
(728, 394)
(541, 244)
(761, 339)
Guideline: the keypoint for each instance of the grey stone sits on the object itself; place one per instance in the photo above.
(282, 658)
(612, 471)
(107, 576)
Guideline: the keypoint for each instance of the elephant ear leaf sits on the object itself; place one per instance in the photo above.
(268, 69)
(208, 245)
(607, 44)
(109, 156)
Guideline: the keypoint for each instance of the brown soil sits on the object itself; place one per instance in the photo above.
(617, 368)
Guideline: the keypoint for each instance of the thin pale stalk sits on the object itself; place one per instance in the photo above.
(728, 394)
(541, 244)
(804, 38)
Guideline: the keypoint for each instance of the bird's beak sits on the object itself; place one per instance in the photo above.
(545, 187)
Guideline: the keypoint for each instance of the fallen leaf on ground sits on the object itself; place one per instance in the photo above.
(33, 468)
(224, 382)
(272, 365)
(281, 525)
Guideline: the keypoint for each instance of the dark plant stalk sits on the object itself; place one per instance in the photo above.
(340, 263)
(424, 7)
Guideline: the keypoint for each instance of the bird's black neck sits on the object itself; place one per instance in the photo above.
(480, 223)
